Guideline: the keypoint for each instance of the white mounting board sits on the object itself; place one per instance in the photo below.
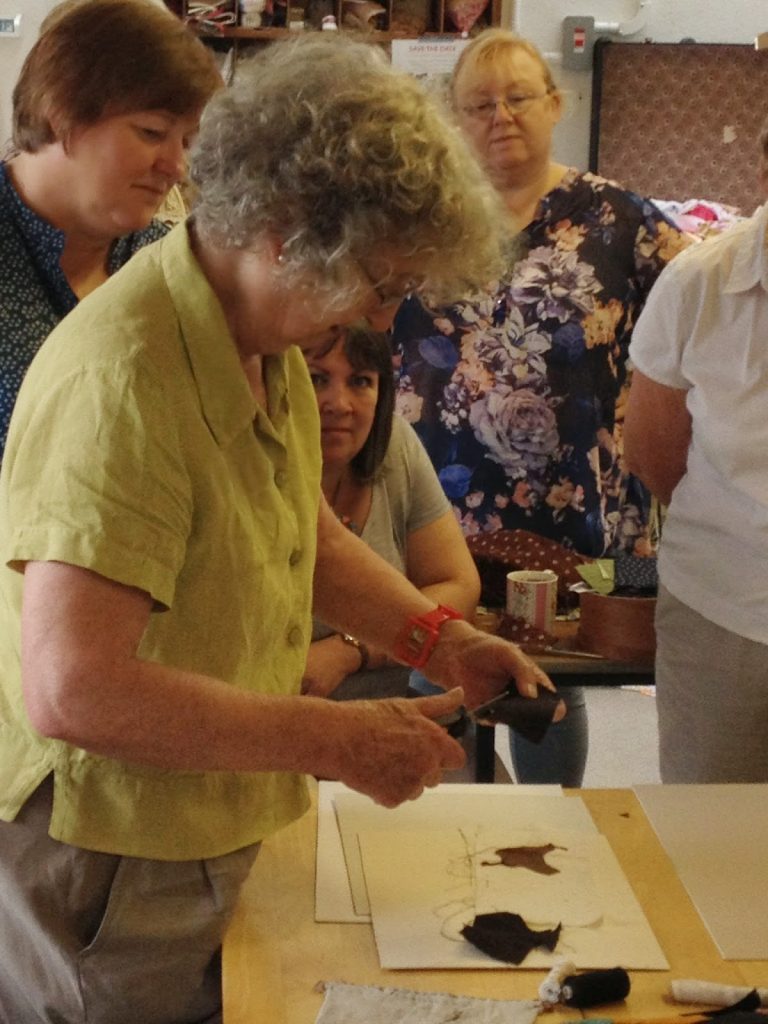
(423, 889)
(439, 810)
(716, 837)
(333, 896)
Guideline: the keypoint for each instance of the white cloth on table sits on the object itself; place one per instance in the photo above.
(351, 1004)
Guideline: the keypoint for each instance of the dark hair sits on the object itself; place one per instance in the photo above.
(96, 58)
(371, 350)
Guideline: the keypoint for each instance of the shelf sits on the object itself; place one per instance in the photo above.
(436, 17)
(271, 32)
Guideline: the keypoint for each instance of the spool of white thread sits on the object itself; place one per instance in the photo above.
(550, 988)
(688, 990)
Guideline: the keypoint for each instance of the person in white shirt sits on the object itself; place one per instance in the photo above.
(696, 433)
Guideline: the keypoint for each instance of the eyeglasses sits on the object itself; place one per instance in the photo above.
(392, 292)
(513, 104)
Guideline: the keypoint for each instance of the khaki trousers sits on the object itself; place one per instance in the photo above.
(93, 938)
(712, 699)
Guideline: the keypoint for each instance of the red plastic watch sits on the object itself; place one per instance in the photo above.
(421, 633)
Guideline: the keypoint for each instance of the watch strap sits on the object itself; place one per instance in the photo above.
(420, 635)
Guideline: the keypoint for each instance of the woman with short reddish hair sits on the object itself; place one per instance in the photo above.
(105, 106)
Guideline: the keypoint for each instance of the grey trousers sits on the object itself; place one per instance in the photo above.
(712, 699)
(93, 938)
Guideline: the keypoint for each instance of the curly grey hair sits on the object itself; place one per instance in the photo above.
(325, 144)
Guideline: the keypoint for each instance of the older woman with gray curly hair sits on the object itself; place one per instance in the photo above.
(161, 492)
(360, 184)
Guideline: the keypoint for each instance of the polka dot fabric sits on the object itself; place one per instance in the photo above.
(532, 640)
(503, 551)
(35, 294)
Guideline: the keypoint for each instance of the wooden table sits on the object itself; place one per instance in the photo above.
(275, 953)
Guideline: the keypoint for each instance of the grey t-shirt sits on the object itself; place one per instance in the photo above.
(406, 496)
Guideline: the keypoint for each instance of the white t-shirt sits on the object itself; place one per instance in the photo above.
(704, 329)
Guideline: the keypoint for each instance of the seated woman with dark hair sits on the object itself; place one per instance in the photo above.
(380, 483)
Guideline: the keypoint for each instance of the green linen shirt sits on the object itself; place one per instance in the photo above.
(138, 451)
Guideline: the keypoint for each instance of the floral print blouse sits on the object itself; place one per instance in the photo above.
(518, 393)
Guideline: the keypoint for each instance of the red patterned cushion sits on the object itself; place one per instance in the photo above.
(504, 551)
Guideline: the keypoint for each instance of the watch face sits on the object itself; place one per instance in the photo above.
(421, 634)
(416, 646)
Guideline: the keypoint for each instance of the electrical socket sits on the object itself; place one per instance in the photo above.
(578, 42)
(10, 27)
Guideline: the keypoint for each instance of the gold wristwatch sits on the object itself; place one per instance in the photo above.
(359, 646)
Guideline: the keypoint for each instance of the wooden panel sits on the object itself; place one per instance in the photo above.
(680, 120)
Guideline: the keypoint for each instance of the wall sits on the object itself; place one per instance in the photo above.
(13, 50)
(712, 21)
(705, 21)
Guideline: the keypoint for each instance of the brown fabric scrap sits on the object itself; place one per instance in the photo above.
(507, 937)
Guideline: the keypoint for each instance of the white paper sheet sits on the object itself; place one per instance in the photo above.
(333, 897)
(424, 887)
(716, 837)
(465, 806)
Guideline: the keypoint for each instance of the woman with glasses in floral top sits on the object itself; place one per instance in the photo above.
(518, 392)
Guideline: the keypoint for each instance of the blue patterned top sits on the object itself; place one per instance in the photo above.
(35, 294)
(518, 393)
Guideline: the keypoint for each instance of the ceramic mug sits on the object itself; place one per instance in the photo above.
(532, 596)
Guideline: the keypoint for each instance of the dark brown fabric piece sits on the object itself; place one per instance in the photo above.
(532, 858)
(507, 937)
(528, 716)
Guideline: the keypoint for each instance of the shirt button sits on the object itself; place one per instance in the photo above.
(295, 557)
(280, 478)
(294, 636)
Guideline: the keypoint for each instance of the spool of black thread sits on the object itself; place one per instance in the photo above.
(592, 988)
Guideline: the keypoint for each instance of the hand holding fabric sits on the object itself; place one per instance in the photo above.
(392, 749)
(483, 665)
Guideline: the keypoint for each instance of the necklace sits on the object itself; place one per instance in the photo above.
(345, 520)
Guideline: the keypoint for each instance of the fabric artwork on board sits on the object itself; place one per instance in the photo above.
(507, 937)
(525, 891)
(531, 857)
